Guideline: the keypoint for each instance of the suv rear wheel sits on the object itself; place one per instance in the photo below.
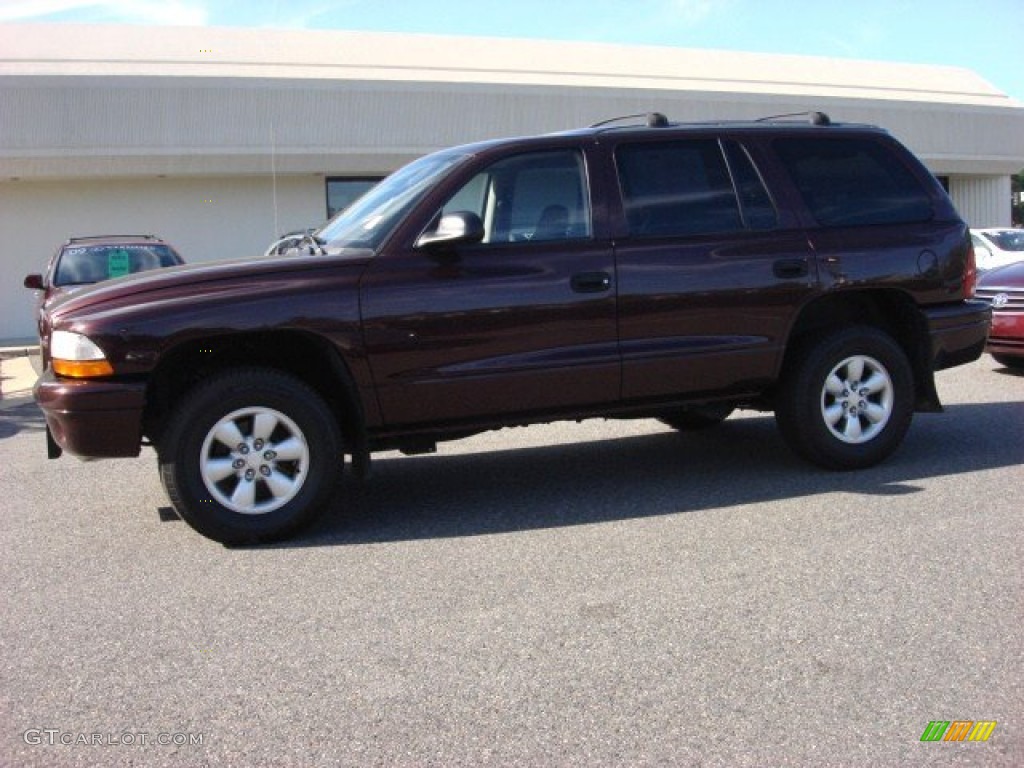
(847, 400)
(250, 455)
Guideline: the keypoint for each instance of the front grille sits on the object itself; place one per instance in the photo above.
(1014, 298)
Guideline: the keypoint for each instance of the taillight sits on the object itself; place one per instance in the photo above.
(970, 272)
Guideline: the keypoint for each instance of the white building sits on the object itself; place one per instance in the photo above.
(221, 139)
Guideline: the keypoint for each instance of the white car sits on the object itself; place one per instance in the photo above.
(301, 241)
(997, 247)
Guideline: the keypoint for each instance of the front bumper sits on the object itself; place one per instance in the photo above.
(1007, 336)
(92, 418)
(958, 332)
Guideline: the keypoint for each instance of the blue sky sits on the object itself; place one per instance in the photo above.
(986, 36)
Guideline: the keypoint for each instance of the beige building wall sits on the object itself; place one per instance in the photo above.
(983, 201)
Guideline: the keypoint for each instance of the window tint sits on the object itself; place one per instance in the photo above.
(540, 196)
(848, 182)
(676, 188)
(755, 203)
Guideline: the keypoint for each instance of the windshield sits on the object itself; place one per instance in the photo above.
(1007, 239)
(85, 264)
(371, 218)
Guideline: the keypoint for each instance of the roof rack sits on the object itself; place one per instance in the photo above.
(654, 120)
(816, 118)
(107, 237)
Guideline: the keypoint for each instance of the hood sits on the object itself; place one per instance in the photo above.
(195, 276)
(1010, 277)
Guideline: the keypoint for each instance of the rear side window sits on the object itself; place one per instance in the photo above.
(677, 188)
(853, 182)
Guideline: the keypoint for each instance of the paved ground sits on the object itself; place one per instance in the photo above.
(18, 371)
(604, 594)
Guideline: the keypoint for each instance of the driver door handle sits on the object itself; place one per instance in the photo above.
(591, 282)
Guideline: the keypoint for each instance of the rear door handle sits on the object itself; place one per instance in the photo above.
(788, 269)
(591, 282)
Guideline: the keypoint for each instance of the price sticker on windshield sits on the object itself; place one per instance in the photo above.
(119, 263)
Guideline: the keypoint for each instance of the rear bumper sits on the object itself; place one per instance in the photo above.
(92, 418)
(957, 332)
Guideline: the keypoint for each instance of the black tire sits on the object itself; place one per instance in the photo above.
(1016, 363)
(696, 418)
(846, 401)
(281, 471)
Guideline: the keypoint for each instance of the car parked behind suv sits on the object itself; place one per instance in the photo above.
(82, 261)
(997, 247)
(1003, 288)
(678, 272)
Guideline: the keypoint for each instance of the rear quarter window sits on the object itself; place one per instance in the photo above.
(854, 182)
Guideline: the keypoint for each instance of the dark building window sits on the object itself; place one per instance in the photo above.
(342, 192)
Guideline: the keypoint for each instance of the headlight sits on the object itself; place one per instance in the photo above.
(76, 355)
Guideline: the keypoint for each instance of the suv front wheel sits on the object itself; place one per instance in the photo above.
(250, 455)
(847, 400)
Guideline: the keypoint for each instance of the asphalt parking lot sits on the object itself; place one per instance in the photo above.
(597, 594)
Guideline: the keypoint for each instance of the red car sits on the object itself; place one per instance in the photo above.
(86, 260)
(1003, 288)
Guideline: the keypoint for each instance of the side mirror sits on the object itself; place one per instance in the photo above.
(453, 229)
(34, 282)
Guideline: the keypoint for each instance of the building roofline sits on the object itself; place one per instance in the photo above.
(222, 52)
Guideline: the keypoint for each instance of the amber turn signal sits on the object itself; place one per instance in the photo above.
(82, 369)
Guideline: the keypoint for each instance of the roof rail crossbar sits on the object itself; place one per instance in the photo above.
(654, 120)
(105, 237)
(816, 118)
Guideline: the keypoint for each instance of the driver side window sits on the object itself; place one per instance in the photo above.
(534, 197)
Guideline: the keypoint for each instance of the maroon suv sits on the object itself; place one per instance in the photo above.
(812, 269)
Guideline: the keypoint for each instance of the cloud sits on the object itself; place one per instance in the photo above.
(296, 16)
(168, 12)
(861, 40)
(693, 12)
